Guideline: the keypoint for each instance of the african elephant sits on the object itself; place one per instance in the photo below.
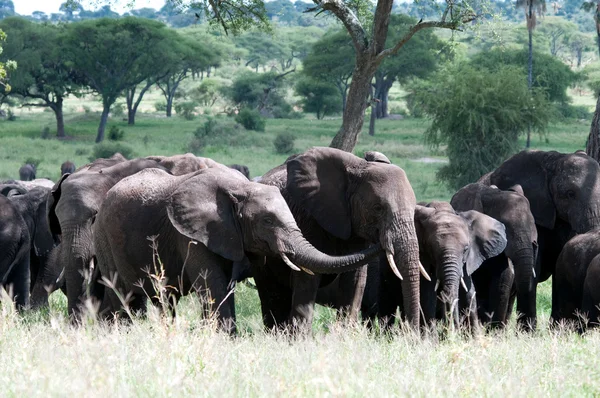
(576, 278)
(564, 197)
(225, 215)
(242, 169)
(27, 172)
(342, 203)
(15, 251)
(492, 280)
(591, 293)
(67, 167)
(452, 245)
(31, 206)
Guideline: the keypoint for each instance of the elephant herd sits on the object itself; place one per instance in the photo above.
(325, 227)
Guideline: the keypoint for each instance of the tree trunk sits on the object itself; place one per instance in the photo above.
(593, 143)
(372, 119)
(580, 55)
(60, 119)
(129, 94)
(132, 107)
(382, 91)
(354, 113)
(530, 62)
(103, 120)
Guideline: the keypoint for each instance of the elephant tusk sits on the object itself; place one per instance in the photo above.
(437, 284)
(390, 258)
(309, 272)
(423, 272)
(464, 285)
(60, 276)
(289, 263)
(533, 270)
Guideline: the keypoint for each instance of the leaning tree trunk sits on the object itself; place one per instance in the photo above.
(103, 120)
(354, 113)
(529, 74)
(593, 142)
(60, 119)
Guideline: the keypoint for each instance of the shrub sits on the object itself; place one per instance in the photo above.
(46, 133)
(160, 106)
(10, 115)
(251, 119)
(319, 97)
(107, 149)
(115, 133)
(568, 111)
(284, 143)
(86, 109)
(224, 132)
(186, 109)
(33, 161)
(118, 109)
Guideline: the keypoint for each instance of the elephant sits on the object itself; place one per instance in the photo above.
(227, 218)
(15, 249)
(576, 279)
(27, 172)
(27, 185)
(31, 206)
(342, 204)
(563, 190)
(67, 167)
(495, 292)
(74, 205)
(452, 245)
(242, 169)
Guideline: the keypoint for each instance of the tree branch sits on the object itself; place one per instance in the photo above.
(349, 19)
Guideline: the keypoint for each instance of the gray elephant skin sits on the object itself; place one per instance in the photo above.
(67, 167)
(493, 280)
(227, 217)
(342, 203)
(564, 196)
(27, 172)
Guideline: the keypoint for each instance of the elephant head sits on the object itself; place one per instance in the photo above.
(232, 217)
(454, 245)
(557, 185)
(350, 197)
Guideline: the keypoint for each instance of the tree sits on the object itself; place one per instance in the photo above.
(332, 60)
(559, 32)
(262, 48)
(479, 114)
(108, 73)
(318, 96)
(43, 75)
(190, 57)
(593, 142)
(578, 43)
(533, 9)
(7, 8)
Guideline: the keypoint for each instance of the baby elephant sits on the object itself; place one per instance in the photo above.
(242, 169)
(67, 167)
(27, 172)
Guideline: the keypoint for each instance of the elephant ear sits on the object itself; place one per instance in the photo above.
(527, 170)
(488, 238)
(53, 199)
(207, 212)
(468, 198)
(422, 213)
(318, 181)
(374, 156)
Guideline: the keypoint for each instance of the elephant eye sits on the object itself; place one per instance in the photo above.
(570, 194)
(378, 208)
(268, 220)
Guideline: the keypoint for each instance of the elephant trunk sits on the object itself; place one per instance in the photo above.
(306, 256)
(400, 240)
(448, 296)
(524, 262)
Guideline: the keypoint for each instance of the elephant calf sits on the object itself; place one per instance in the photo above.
(27, 172)
(67, 167)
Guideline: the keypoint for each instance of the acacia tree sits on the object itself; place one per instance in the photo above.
(43, 75)
(367, 30)
(593, 142)
(112, 55)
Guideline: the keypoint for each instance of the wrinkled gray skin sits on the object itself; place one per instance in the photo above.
(229, 217)
(15, 251)
(242, 169)
(576, 279)
(31, 206)
(564, 196)
(495, 291)
(27, 172)
(27, 185)
(341, 203)
(75, 202)
(67, 167)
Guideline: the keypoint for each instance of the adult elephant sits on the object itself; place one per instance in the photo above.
(31, 206)
(564, 197)
(229, 217)
(341, 203)
(493, 279)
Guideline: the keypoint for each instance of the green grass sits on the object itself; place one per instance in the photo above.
(43, 355)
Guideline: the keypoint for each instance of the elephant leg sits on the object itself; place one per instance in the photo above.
(390, 291)
(350, 293)
(527, 308)
(370, 301)
(304, 295)
(468, 306)
(500, 290)
(216, 298)
(275, 299)
(19, 278)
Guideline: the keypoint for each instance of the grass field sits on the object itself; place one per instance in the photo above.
(43, 355)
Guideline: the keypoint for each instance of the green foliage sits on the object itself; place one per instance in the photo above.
(549, 73)
(33, 161)
(108, 149)
(257, 91)
(118, 109)
(186, 109)
(222, 133)
(116, 134)
(160, 106)
(568, 111)
(284, 143)
(479, 114)
(251, 119)
(207, 93)
(591, 76)
(319, 97)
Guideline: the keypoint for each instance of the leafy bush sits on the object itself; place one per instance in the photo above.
(160, 106)
(46, 133)
(257, 90)
(251, 119)
(115, 133)
(284, 143)
(33, 161)
(569, 111)
(118, 109)
(479, 114)
(319, 97)
(224, 133)
(10, 115)
(107, 149)
(186, 109)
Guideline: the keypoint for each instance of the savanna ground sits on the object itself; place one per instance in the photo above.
(42, 355)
